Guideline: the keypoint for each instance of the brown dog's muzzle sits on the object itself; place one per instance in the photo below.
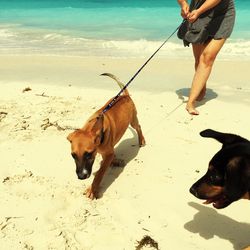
(82, 175)
(84, 164)
(84, 169)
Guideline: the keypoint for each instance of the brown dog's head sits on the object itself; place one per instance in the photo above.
(84, 143)
(228, 175)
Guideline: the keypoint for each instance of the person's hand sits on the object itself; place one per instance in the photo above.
(185, 10)
(192, 16)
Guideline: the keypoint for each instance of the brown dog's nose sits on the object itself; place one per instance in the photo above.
(82, 175)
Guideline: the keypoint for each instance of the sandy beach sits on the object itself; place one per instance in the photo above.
(44, 98)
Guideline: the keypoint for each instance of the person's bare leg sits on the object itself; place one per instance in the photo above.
(203, 70)
(202, 94)
(197, 51)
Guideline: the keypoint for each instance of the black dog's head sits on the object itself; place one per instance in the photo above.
(228, 175)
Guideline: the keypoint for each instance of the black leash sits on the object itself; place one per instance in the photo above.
(111, 103)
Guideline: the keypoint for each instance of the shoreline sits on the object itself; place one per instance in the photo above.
(58, 44)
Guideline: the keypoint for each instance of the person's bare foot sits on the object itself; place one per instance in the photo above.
(191, 109)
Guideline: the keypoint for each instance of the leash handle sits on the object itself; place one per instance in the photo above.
(112, 102)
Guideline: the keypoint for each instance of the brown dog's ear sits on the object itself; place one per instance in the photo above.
(98, 140)
(70, 137)
(98, 126)
(98, 129)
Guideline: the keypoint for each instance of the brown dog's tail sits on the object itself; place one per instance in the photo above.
(121, 85)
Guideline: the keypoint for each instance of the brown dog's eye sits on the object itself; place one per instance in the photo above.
(88, 155)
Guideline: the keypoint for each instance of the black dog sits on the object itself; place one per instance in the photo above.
(228, 175)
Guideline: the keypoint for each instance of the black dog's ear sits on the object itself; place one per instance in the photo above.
(224, 138)
(236, 179)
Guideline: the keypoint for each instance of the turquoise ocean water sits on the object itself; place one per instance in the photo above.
(105, 28)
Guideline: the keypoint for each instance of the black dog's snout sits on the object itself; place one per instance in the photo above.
(193, 191)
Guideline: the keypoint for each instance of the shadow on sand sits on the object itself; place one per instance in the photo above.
(208, 223)
(127, 150)
(210, 94)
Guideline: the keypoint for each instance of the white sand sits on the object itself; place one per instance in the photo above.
(42, 205)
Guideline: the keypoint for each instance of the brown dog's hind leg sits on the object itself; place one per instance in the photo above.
(135, 124)
(92, 191)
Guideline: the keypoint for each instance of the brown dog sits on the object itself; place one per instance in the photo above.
(100, 134)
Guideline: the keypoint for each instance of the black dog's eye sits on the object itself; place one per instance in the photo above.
(216, 179)
(88, 155)
(74, 156)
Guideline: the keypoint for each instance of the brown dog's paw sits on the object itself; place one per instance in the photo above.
(89, 193)
(143, 143)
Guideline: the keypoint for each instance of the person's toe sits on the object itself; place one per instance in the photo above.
(192, 111)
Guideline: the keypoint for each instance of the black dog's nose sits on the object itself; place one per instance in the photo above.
(193, 191)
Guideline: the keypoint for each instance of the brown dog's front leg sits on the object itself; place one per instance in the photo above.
(92, 191)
